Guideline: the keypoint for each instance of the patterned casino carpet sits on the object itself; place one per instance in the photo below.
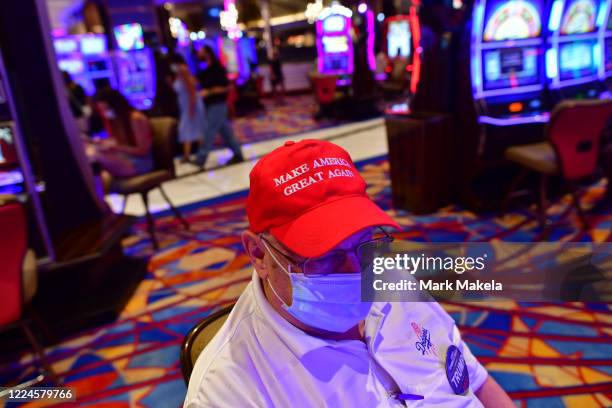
(293, 115)
(544, 355)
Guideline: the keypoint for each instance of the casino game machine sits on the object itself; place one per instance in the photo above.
(506, 102)
(334, 43)
(605, 35)
(402, 43)
(507, 55)
(86, 58)
(573, 55)
(16, 176)
(135, 66)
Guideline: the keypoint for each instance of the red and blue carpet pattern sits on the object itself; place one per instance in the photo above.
(544, 355)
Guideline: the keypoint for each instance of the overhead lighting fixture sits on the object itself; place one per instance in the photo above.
(380, 17)
(313, 10)
(362, 8)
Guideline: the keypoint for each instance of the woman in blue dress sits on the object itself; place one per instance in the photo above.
(191, 123)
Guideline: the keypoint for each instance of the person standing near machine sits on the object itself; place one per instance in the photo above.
(191, 123)
(214, 84)
(276, 74)
(77, 98)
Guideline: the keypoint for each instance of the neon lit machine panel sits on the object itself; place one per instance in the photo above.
(573, 57)
(399, 37)
(507, 57)
(86, 59)
(606, 35)
(135, 66)
(334, 43)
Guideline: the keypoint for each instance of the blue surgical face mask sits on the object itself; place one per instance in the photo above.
(330, 302)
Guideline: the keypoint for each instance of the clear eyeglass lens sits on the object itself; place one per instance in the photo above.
(336, 259)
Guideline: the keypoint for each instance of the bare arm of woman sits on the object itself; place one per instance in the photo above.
(190, 84)
(214, 90)
(142, 136)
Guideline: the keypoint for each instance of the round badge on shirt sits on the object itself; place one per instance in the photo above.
(456, 371)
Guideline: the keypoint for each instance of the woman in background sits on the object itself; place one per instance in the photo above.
(191, 123)
(127, 149)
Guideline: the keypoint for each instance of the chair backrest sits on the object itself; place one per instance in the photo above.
(164, 143)
(574, 131)
(325, 88)
(13, 246)
(198, 337)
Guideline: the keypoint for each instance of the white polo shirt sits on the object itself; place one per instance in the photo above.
(258, 359)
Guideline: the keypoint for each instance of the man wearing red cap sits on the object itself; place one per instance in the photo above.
(300, 336)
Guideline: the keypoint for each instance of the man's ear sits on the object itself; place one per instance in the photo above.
(255, 251)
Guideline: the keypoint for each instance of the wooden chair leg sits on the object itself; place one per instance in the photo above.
(176, 212)
(40, 353)
(542, 201)
(150, 221)
(517, 180)
(576, 200)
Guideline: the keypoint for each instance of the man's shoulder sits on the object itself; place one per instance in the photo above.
(223, 366)
(406, 311)
(230, 344)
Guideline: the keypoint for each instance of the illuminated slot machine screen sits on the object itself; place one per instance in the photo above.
(512, 20)
(579, 17)
(608, 49)
(577, 59)
(398, 39)
(129, 36)
(65, 46)
(73, 66)
(334, 24)
(510, 67)
(11, 178)
(92, 45)
(335, 44)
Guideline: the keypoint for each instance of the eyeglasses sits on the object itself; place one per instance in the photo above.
(336, 259)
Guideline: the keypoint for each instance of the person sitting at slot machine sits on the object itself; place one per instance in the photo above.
(78, 101)
(299, 335)
(127, 149)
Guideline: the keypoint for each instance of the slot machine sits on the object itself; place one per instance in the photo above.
(507, 62)
(87, 60)
(334, 42)
(605, 33)
(135, 66)
(402, 34)
(573, 55)
(16, 176)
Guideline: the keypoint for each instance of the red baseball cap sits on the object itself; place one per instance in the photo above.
(310, 197)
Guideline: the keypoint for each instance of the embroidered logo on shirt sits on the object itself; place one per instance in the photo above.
(424, 345)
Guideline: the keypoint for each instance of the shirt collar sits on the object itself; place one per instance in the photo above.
(295, 339)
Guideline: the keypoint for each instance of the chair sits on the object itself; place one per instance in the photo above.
(164, 139)
(571, 151)
(325, 91)
(198, 337)
(18, 277)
